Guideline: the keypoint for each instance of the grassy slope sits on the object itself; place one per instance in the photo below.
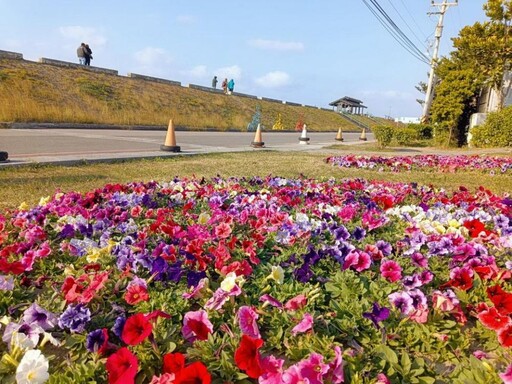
(44, 93)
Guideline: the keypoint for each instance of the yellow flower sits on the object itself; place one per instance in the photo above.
(203, 218)
(454, 223)
(23, 206)
(229, 282)
(93, 255)
(277, 274)
(44, 201)
(69, 270)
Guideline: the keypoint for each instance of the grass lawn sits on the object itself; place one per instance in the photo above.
(29, 184)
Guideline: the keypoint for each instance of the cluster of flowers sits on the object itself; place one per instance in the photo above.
(276, 280)
(443, 163)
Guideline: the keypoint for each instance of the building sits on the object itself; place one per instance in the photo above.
(407, 120)
(348, 105)
(489, 99)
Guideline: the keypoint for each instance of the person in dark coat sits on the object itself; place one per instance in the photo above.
(88, 54)
(214, 82)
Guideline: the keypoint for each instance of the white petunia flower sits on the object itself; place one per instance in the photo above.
(33, 368)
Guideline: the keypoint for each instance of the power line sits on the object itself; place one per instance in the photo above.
(395, 31)
(414, 20)
(398, 30)
(405, 22)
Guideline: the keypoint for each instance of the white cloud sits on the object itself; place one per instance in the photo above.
(185, 19)
(151, 56)
(274, 79)
(276, 45)
(199, 71)
(83, 35)
(233, 72)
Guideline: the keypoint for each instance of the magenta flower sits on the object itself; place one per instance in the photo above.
(390, 270)
(296, 303)
(247, 320)
(196, 326)
(272, 370)
(358, 261)
(309, 371)
(335, 373)
(266, 298)
(304, 325)
(507, 375)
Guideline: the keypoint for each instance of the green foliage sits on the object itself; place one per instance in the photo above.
(424, 131)
(383, 134)
(496, 131)
(405, 136)
(97, 89)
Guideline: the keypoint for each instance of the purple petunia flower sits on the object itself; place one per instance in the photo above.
(401, 301)
(118, 326)
(96, 340)
(384, 247)
(377, 314)
(35, 315)
(271, 300)
(6, 283)
(75, 318)
(359, 234)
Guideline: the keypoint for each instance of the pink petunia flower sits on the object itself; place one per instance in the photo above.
(507, 375)
(391, 270)
(247, 318)
(305, 324)
(196, 326)
(296, 303)
(309, 371)
(272, 370)
(358, 261)
(336, 367)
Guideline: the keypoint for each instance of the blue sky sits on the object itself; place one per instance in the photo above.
(310, 52)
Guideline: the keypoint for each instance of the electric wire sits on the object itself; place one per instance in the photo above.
(395, 32)
(400, 33)
(405, 22)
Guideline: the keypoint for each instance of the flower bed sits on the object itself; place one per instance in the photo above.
(434, 163)
(271, 280)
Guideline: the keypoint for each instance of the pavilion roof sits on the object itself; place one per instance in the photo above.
(348, 101)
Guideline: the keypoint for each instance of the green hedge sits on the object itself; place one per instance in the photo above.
(495, 132)
(383, 134)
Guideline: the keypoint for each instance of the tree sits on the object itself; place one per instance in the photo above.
(481, 57)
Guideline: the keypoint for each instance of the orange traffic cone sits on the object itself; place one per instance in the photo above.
(363, 135)
(170, 140)
(258, 143)
(339, 136)
(304, 139)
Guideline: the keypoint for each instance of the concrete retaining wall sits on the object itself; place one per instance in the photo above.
(290, 103)
(273, 100)
(244, 95)
(154, 79)
(206, 89)
(67, 64)
(10, 55)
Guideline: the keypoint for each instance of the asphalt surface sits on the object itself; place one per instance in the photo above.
(68, 146)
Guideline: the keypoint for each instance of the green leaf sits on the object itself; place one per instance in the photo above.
(387, 353)
(406, 363)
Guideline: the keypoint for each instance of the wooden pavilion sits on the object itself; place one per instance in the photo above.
(348, 105)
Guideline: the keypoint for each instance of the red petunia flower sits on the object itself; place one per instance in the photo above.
(492, 319)
(195, 373)
(247, 356)
(136, 329)
(173, 363)
(505, 336)
(503, 303)
(122, 367)
(135, 294)
(475, 227)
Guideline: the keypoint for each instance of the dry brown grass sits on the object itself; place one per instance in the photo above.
(30, 183)
(44, 93)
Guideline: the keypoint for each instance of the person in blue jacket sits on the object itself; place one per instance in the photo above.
(231, 85)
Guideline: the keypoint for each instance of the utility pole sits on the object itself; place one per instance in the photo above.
(429, 96)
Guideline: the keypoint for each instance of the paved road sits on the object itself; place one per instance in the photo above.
(71, 145)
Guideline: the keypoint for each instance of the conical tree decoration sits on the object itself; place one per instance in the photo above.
(256, 119)
(278, 125)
